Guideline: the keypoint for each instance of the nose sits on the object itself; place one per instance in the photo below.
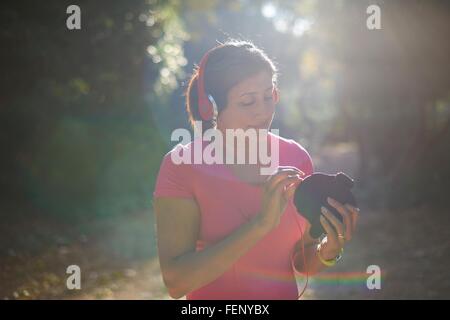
(264, 110)
(261, 118)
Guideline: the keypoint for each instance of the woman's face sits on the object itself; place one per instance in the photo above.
(251, 104)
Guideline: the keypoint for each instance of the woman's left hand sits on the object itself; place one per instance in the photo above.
(338, 233)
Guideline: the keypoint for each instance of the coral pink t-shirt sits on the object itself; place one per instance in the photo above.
(266, 271)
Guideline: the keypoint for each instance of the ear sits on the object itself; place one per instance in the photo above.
(275, 95)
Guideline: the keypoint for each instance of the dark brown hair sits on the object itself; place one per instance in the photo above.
(228, 64)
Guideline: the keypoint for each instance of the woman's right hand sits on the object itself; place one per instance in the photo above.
(277, 191)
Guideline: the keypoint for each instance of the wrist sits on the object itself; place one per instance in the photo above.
(260, 225)
(328, 256)
(327, 253)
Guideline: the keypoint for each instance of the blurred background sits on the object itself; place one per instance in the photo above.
(86, 117)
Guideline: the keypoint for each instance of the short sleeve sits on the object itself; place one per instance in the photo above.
(173, 179)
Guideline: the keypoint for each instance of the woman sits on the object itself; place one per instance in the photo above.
(225, 231)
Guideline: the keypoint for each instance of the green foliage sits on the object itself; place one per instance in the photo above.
(104, 165)
(387, 90)
(86, 114)
(77, 107)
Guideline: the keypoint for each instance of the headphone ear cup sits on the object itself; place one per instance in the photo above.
(205, 105)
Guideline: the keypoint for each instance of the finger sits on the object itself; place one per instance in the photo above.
(278, 195)
(291, 168)
(275, 179)
(345, 215)
(354, 220)
(331, 233)
(352, 208)
(282, 169)
(333, 220)
(286, 168)
(338, 226)
(281, 186)
(290, 189)
(354, 215)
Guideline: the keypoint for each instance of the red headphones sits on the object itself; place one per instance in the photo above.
(207, 107)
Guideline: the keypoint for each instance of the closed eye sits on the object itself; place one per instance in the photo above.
(246, 104)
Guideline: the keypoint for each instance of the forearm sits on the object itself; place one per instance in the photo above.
(196, 269)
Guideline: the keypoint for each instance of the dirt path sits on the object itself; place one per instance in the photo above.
(118, 260)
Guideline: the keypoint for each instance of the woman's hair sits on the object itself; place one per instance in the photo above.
(228, 64)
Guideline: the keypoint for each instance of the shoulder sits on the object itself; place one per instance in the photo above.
(174, 176)
(180, 154)
(177, 161)
(293, 153)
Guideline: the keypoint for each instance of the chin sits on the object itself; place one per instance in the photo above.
(259, 127)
